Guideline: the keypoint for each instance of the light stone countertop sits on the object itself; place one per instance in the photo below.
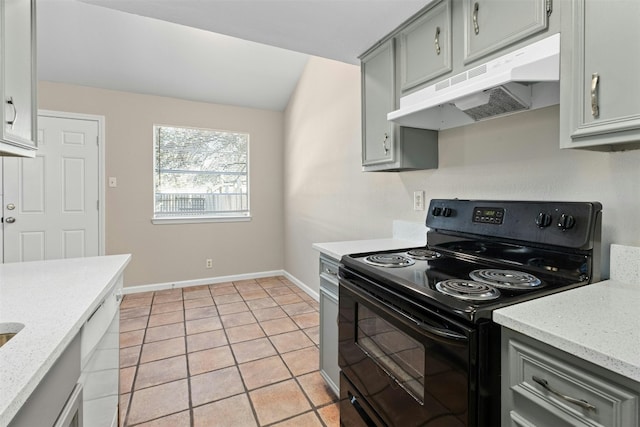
(599, 323)
(53, 299)
(337, 249)
(406, 234)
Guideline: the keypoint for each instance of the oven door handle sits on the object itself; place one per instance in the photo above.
(443, 333)
(450, 335)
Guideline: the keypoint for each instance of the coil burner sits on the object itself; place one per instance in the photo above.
(423, 254)
(468, 290)
(506, 279)
(389, 260)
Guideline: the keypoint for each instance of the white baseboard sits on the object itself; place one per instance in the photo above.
(220, 279)
(198, 282)
(313, 294)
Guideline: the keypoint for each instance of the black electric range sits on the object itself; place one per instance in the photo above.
(404, 312)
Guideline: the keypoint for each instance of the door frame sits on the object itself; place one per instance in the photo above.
(101, 165)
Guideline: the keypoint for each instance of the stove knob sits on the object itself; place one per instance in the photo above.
(543, 220)
(566, 222)
(446, 212)
(436, 211)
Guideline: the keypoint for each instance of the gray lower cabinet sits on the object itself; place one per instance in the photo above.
(385, 145)
(543, 386)
(57, 400)
(425, 47)
(600, 90)
(490, 25)
(329, 322)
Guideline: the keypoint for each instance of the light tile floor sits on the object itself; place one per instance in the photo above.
(233, 354)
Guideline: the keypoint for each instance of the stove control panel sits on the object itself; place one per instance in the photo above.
(569, 224)
(488, 215)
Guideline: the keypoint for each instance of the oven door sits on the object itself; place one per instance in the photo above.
(411, 366)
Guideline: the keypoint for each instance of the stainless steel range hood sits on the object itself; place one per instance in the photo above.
(522, 80)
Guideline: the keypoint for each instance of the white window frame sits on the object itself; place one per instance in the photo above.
(191, 219)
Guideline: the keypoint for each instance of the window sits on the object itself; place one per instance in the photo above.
(200, 174)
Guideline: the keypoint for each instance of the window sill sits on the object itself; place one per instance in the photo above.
(192, 220)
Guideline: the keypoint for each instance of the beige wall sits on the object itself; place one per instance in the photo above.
(166, 253)
(327, 198)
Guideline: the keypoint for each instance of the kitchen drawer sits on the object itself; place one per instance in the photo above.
(329, 271)
(518, 420)
(600, 400)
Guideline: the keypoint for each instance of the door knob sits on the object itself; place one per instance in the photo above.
(11, 206)
(10, 220)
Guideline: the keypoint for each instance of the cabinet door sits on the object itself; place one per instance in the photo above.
(329, 338)
(425, 47)
(544, 386)
(602, 83)
(493, 24)
(18, 69)
(378, 99)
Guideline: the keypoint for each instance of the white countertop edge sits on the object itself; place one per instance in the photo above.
(10, 405)
(519, 318)
(337, 249)
(607, 361)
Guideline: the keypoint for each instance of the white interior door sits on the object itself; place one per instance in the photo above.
(50, 205)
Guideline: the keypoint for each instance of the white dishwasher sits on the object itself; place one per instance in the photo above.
(100, 361)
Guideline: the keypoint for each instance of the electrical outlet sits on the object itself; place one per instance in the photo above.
(418, 200)
(209, 263)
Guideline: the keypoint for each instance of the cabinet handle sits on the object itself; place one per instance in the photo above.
(581, 403)
(384, 143)
(595, 109)
(437, 41)
(15, 112)
(328, 271)
(476, 27)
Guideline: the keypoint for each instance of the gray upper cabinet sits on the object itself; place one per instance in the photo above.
(378, 98)
(600, 90)
(385, 145)
(425, 47)
(491, 25)
(18, 82)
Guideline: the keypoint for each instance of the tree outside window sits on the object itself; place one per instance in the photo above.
(200, 173)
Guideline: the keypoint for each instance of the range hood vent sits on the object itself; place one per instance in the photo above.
(522, 80)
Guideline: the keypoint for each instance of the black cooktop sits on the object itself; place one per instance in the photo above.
(417, 281)
(558, 243)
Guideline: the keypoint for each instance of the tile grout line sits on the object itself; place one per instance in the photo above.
(251, 405)
(140, 362)
(299, 327)
(137, 365)
(313, 406)
(186, 359)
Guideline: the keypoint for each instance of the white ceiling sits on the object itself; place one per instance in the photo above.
(177, 48)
